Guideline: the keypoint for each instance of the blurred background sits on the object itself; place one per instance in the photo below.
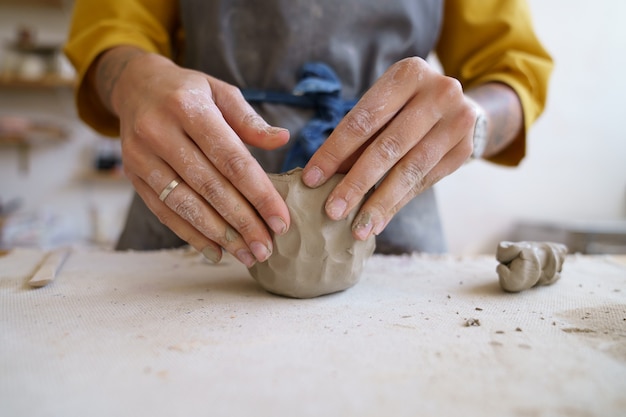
(61, 183)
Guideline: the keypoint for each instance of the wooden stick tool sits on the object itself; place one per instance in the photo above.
(49, 267)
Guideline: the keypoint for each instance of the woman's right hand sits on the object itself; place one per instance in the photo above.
(182, 124)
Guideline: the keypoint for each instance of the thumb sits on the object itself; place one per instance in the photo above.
(255, 131)
(245, 121)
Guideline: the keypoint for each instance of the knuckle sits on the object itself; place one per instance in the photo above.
(378, 209)
(450, 92)
(467, 117)
(327, 155)
(188, 209)
(360, 122)
(262, 202)
(143, 128)
(213, 191)
(452, 86)
(411, 66)
(245, 225)
(413, 177)
(251, 118)
(236, 166)
(186, 101)
(389, 147)
(233, 91)
(178, 99)
(355, 186)
(178, 96)
(226, 93)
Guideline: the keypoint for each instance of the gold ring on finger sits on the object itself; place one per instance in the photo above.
(167, 190)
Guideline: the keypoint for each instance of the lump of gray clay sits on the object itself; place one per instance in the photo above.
(526, 264)
(317, 255)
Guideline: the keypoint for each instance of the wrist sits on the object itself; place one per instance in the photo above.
(110, 68)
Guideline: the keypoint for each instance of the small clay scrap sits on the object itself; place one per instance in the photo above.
(317, 255)
(472, 322)
(526, 264)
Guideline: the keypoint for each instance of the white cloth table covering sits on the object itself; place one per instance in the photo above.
(167, 334)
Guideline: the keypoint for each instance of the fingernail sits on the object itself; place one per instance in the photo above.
(260, 251)
(362, 226)
(313, 177)
(277, 225)
(336, 207)
(245, 257)
(212, 254)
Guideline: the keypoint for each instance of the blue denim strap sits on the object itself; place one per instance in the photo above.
(318, 88)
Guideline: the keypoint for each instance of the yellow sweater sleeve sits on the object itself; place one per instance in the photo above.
(99, 25)
(494, 41)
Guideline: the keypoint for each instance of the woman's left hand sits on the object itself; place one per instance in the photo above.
(413, 127)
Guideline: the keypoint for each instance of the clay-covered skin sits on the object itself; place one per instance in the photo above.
(526, 264)
(316, 256)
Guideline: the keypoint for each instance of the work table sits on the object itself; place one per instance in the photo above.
(166, 334)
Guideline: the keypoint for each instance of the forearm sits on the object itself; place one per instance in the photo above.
(505, 121)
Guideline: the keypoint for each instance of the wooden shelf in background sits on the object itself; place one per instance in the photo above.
(30, 132)
(48, 81)
(45, 3)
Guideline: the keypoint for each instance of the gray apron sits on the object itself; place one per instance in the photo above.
(262, 44)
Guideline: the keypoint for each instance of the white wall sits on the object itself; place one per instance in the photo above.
(575, 169)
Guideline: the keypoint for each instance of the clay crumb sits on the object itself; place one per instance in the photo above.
(577, 330)
(472, 322)
(518, 329)
(478, 309)
(499, 331)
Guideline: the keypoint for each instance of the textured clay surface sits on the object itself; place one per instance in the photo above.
(316, 256)
(526, 264)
